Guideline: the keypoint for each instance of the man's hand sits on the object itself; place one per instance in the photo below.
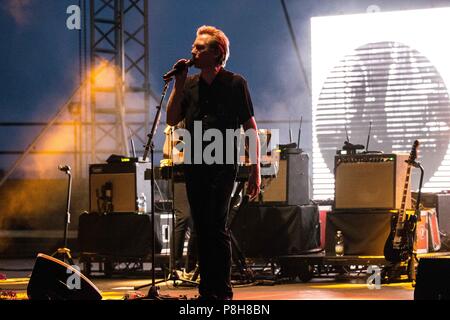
(174, 112)
(181, 76)
(254, 182)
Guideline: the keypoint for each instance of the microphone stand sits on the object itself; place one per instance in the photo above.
(153, 292)
(64, 252)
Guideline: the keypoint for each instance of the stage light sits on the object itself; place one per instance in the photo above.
(104, 74)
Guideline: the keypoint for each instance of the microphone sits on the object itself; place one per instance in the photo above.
(65, 168)
(351, 146)
(178, 68)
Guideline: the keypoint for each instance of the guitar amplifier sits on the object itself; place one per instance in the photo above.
(370, 181)
(115, 187)
(290, 186)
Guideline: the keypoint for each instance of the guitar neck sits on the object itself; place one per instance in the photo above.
(401, 221)
(402, 213)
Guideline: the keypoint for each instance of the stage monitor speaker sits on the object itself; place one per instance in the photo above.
(432, 280)
(53, 279)
(291, 185)
(370, 181)
(118, 184)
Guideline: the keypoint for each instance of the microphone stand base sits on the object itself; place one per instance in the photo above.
(153, 294)
(64, 255)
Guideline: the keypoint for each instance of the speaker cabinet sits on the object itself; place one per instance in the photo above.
(364, 233)
(370, 181)
(53, 279)
(443, 208)
(291, 185)
(433, 281)
(273, 231)
(118, 184)
(120, 235)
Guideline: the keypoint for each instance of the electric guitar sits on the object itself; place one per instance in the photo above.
(400, 242)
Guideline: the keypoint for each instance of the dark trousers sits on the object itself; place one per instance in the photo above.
(209, 189)
(183, 224)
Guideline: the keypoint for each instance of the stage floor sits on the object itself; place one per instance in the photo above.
(119, 287)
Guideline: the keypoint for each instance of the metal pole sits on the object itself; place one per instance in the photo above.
(67, 219)
(92, 82)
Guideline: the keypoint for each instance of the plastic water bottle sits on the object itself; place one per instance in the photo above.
(142, 204)
(339, 244)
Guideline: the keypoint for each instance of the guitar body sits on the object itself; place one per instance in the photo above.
(396, 255)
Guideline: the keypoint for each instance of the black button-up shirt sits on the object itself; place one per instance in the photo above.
(223, 104)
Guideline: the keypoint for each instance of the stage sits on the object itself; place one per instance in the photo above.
(332, 287)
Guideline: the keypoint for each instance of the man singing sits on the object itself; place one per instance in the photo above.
(218, 100)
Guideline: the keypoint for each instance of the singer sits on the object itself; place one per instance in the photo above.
(221, 100)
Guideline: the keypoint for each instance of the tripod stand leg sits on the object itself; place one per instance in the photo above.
(239, 259)
(196, 273)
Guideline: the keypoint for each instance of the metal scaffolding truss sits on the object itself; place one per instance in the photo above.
(104, 116)
(120, 95)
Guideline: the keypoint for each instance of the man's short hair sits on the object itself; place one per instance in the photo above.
(219, 41)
